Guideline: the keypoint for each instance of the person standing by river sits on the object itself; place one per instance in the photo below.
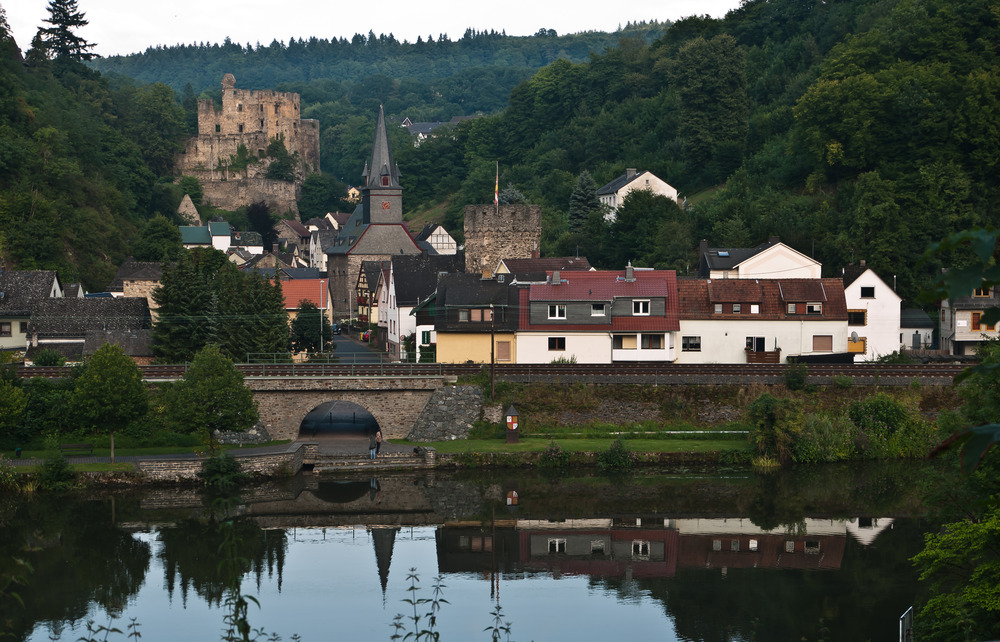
(372, 444)
(378, 441)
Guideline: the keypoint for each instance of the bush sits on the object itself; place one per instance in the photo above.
(49, 358)
(222, 473)
(843, 381)
(8, 476)
(795, 376)
(554, 457)
(774, 426)
(884, 428)
(56, 474)
(616, 459)
(823, 439)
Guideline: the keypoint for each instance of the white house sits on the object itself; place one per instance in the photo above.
(759, 320)
(599, 316)
(770, 260)
(873, 314)
(615, 192)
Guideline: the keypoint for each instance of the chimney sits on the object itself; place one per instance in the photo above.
(630, 173)
(629, 273)
(862, 262)
(274, 249)
(534, 254)
(556, 279)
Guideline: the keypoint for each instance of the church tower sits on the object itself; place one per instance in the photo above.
(382, 195)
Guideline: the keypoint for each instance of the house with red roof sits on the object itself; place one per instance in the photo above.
(600, 316)
(312, 290)
(760, 320)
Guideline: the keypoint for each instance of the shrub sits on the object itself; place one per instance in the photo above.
(774, 425)
(823, 439)
(222, 473)
(8, 476)
(554, 457)
(878, 413)
(56, 474)
(843, 381)
(616, 459)
(795, 376)
(49, 358)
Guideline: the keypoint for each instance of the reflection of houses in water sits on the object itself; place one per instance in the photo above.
(649, 546)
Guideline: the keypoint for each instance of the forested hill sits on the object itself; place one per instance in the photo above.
(854, 129)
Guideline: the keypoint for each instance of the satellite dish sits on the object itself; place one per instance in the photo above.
(854, 337)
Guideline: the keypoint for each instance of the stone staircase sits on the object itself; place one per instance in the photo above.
(334, 463)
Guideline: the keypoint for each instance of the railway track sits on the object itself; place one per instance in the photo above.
(724, 372)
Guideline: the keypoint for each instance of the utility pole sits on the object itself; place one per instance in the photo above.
(493, 361)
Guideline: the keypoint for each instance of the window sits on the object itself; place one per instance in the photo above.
(981, 292)
(557, 343)
(275, 109)
(791, 308)
(976, 316)
(718, 308)
(5, 329)
(812, 547)
(500, 278)
(789, 546)
(239, 106)
(822, 343)
(640, 308)
(425, 337)
(868, 292)
(640, 549)
(737, 308)
(857, 317)
(503, 350)
(557, 545)
(734, 545)
(623, 342)
(385, 181)
(557, 311)
(652, 342)
(475, 315)
(463, 315)
(240, 128)
(690, 344)
(814, 308)
(716, 545)
(755, 344)
(754, 308)
(24, 327)
(218, 128)
(597, 547)
(753, 545)
(598, 310)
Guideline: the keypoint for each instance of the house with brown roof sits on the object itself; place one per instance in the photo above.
(292, 232)
(537, 270)
(601, 316)
(760, 320)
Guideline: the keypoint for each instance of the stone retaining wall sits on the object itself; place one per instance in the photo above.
(179, 470)
(449, 414)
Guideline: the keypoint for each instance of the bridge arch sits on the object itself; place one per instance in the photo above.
(337, 418)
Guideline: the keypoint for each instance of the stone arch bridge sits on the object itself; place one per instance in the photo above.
(396, 403)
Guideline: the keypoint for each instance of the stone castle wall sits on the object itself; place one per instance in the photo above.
(251, 118)
(513, 232)
(232, 194)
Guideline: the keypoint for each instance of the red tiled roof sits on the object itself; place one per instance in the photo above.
(313, 290)
(734, 291)
(695, 300)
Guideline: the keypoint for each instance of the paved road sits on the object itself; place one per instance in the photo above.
(350, 350)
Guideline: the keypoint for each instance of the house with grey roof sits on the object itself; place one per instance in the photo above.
(375, 231)
(475, 319)
(411, 280)
(612, 194)
(77, 327)
(916, 329)
(21, 291)
(962, 325)
(537, 270)
(436, 240)
(873, 314)
(771, 259)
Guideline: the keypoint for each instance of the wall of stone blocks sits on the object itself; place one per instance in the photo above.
(179, 470)
(232, 194)
(512, 232)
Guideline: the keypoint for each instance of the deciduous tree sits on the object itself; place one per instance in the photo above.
(312, 331)
(110, 393)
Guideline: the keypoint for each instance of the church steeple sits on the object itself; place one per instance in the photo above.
(382, 195)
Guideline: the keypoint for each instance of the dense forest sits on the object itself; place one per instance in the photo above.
(854, 129)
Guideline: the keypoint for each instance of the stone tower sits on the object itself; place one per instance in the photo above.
(512, 232)
(382, 195)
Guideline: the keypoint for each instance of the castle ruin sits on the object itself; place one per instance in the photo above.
(507, 232)
(251, 118)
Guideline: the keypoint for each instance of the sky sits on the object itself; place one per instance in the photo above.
(130, 26)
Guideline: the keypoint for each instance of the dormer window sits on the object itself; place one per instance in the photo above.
(557, 311)
(814, 308)
(737, 308)
(640, 308)
(385, 181)
(981, 292)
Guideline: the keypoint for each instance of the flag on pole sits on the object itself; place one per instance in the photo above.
(496, 187)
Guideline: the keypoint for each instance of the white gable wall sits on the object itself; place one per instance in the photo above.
(776, 262)
(881, 327)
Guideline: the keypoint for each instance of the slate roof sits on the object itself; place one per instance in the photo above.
(618, 183)
(136, 271)
(371, 270)
(416, 276)
(537, 269)
(472, 291)
(135, 343)
(319, 223)
(76, 317)
(245, 239)
(22, 290)
(296, 227)
(915, 318)
(696, 303)
(385, 238)
(426, 232)
(977, 302)
(381, 163)
(727, 258)
(325, 238)
(852, 273)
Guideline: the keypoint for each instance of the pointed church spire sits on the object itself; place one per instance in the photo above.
(381, 171)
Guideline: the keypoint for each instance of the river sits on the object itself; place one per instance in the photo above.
(809, 554)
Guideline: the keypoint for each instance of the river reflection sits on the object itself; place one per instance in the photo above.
(810, 554)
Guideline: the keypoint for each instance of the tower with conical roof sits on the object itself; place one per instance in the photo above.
(382, 195)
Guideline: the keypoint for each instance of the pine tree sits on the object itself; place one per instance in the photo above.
(61, 42)
(583, 201)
